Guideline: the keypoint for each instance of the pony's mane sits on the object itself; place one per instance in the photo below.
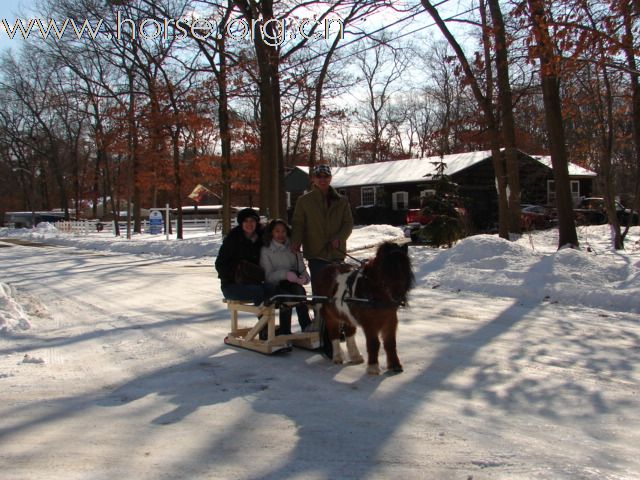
(390, 270)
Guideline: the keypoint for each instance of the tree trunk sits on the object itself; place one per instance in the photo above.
(100, 162)
(271, 160)
(606, 154)
(549, 65)
(628, 18)
(508, 122)
(225, 137)
(132, 143)
(317, 116)
(175, 138)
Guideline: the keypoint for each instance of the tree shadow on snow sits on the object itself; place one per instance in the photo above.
(299, 415)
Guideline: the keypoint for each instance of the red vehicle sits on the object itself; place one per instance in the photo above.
(416, 219)
(535, 217)
(415, 215)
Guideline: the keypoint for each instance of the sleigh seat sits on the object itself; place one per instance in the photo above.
(248, 336)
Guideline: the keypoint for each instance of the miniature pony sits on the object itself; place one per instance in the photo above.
(368, 297)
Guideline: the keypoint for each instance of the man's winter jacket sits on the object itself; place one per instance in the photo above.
(317, 221)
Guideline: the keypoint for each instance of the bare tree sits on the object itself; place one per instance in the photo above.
(484, 100)
(540, 19)
(31, 83)
(381, 66)
(358, 10)
(505, 101)
(443, 100)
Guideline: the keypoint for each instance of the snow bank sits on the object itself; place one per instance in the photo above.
(493, 266)
(206, 244)
(12, 315)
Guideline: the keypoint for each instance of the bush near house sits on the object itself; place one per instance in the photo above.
(446, 226)
(447, 217)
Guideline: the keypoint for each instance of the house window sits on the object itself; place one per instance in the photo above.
(575, 189)
(426, 193)
(400, 200)
(368, 196)
(551, 191)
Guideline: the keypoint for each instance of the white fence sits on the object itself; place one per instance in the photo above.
(77, 227)
(85, 227)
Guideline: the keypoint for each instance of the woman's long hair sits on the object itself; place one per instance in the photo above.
(268, 233)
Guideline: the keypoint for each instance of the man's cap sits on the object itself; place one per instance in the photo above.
(322, 170)
(246, 213)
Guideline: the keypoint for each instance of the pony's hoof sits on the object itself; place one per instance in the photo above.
(394, 370)
(338, 360)
(373, 370)
(357, 360)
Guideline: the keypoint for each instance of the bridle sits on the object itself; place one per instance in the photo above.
(351, 283)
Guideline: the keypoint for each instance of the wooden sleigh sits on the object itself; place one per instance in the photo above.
(248, 337)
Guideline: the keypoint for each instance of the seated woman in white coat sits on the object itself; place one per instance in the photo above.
(286, 271)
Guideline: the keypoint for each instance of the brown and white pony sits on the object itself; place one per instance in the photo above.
(368, 297)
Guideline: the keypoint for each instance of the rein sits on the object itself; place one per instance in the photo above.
(357, 260)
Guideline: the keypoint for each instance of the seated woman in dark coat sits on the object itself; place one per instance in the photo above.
(243, 243)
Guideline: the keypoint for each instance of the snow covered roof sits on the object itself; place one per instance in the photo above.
(574, 170)
(415, 169)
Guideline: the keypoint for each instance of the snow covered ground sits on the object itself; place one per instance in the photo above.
(520, 362)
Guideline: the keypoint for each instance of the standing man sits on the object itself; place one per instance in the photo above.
(321, 223)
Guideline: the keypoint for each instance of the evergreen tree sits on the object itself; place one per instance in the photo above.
(446, 228)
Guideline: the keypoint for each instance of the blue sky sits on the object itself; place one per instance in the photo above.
(8, 12)
(8, 8)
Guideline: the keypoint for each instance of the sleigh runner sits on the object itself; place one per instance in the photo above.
(248, 337)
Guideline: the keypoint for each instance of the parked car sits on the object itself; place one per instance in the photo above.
(591, 211)
(416, 215)
(417, 218)
(535, 217)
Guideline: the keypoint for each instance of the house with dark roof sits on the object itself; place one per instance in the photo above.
(383, 192)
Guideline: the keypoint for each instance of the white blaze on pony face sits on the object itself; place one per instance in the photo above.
(342, 291)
